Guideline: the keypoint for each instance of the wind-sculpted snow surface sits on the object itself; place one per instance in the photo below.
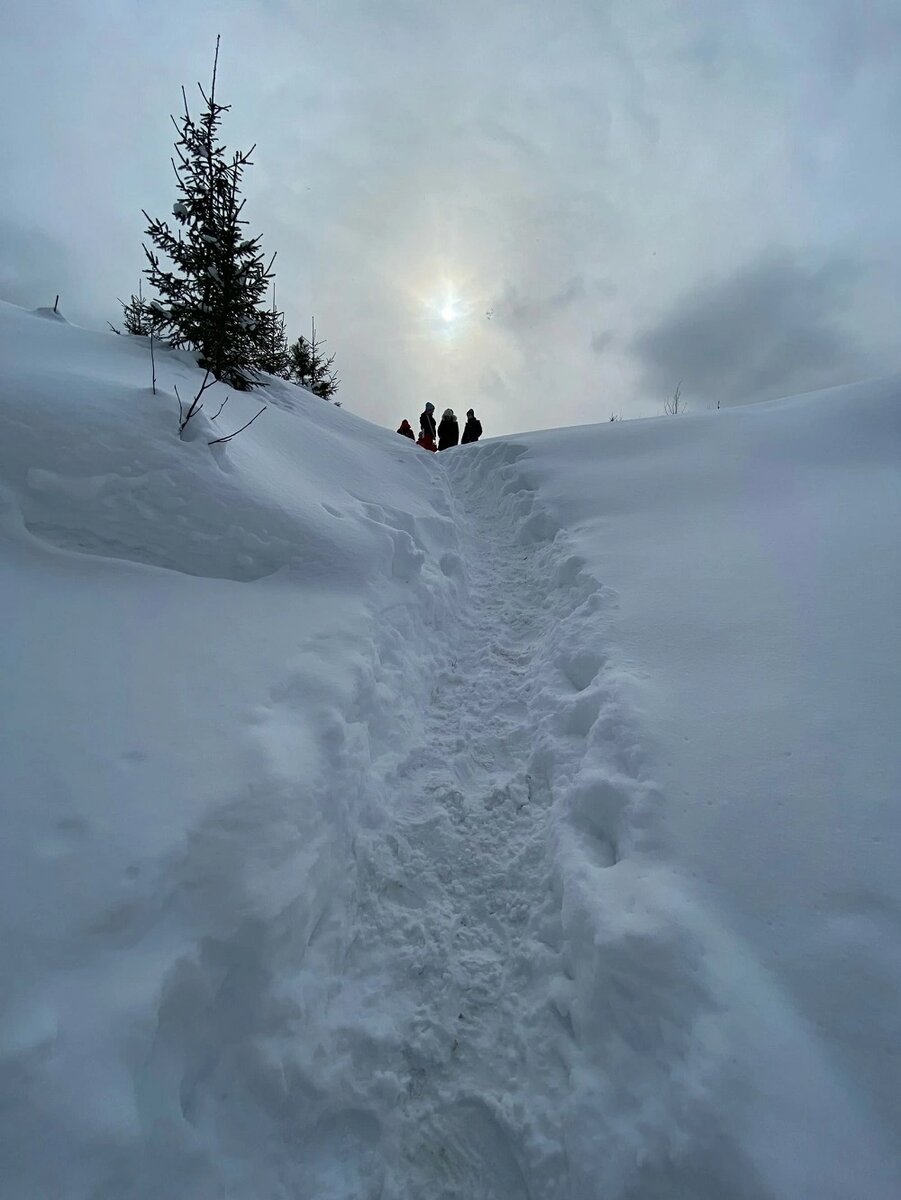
(205, 648)
(346, 807)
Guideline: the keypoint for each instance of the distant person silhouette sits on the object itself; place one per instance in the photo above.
(472, 430)
(427, 421)
(407, 430)
(448, 430)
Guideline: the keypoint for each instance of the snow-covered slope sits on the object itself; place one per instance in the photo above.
(514, 822)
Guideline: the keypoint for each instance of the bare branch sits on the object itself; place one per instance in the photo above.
(216, 441)
(195, 405)
(215, 65)
(221, 406)
(673, 407)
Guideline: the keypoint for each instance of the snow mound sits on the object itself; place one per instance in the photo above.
(517, 821)
(206, 648)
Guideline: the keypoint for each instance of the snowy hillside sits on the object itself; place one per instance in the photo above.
(517, 822)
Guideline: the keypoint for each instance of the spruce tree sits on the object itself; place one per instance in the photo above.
(137, 315)
(300, 362)
(310, 368)
(324, 379)
(211, 294)
(274, 358)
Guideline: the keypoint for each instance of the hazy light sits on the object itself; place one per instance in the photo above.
(448, 312)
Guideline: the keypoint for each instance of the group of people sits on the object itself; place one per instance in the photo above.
(447, 431)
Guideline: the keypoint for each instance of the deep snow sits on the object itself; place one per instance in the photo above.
(515, 822)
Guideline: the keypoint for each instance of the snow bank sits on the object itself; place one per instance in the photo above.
(513, 822)
(727, 830)
(204, 650)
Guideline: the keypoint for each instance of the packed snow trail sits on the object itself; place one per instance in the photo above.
(528, 1003)
(444, 988)
(470, 1054)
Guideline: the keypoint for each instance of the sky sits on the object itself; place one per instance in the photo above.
(549, 213)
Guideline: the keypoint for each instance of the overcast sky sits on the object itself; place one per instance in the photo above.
(606, 198)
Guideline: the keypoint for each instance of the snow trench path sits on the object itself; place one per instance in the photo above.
(444, 969)
(529, 1003)
(476, 978)
(452, 1018)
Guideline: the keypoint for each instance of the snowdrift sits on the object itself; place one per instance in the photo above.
(513, 822)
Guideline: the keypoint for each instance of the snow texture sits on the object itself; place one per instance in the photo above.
(515, 823)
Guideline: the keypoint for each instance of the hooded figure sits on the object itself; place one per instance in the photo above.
(427, 421)
(472, 430)
(448, 430)
(406, 430)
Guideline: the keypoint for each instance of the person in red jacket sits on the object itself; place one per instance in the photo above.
(427, 420)
(426, 441)
(406, 429)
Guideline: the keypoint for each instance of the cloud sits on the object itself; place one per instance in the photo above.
(34, 267)
(600, 341)
(773, 328)
(514, 309)
(561, 194)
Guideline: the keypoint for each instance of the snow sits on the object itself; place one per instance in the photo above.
(518, 821)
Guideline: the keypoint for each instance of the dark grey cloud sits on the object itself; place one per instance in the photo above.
(528, 311)
(773, 328)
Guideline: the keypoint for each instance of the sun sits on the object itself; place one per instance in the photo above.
(447, 311)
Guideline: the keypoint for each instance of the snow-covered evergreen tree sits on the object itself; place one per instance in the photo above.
(137, 315)
(325, 379)
(299, 361)
(311, 368)
(274, 357)
(210, 295)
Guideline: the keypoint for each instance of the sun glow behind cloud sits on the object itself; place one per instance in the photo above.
(447, 312)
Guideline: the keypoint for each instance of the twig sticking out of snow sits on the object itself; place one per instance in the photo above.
(195, 408)
(216, 441)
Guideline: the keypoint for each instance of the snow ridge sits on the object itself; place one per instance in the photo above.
(349, 851)
(498, 1000)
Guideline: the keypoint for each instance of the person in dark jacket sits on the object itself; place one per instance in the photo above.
(472, 430)
(448, 430)
(427, 421)
(406, 430)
